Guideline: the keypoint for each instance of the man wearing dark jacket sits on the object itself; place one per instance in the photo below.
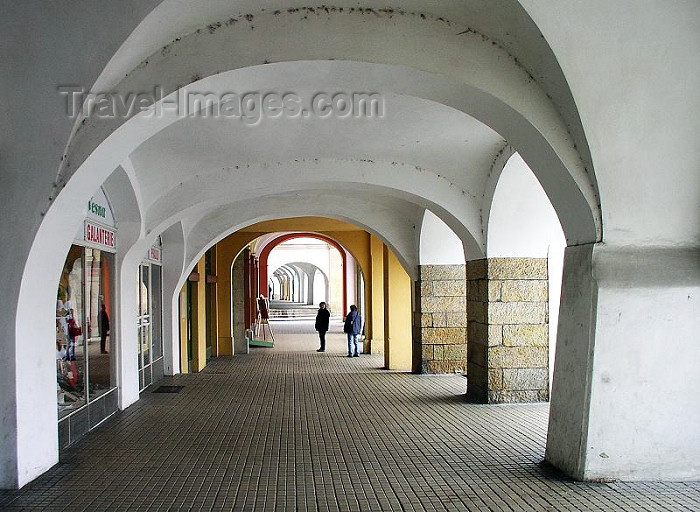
(322, 319)
(104, 328)
(353, 327)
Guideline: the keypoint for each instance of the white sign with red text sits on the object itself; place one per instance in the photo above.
(154, 255)
(99, 236)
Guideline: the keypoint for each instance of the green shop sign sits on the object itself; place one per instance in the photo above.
(97, 209)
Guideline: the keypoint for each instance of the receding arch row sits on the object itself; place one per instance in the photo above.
(275, 242)
(578, 219)
(474, 60)
(533, 127)
(578, 210)
(310, 270)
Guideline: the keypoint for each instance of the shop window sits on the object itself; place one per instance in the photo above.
(83, 310)
(149, 324)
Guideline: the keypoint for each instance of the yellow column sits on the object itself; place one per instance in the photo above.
(398, 327)
(226, 251)
(224, 259)
(375, 331)
(183, 329)
(199, 320)
(212, 304)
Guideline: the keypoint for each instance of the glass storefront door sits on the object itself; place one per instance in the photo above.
(149, 325)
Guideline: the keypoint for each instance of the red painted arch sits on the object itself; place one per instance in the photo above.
(264, 255)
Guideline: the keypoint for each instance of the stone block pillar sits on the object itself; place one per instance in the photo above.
(442, 304)
(508, 347)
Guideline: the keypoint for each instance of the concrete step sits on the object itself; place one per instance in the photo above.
(293, 313)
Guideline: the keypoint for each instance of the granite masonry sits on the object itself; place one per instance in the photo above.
(507, 308)
(443, 319)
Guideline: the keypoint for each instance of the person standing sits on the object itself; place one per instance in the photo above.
(353, 327)
(322, 320)
(104, 328)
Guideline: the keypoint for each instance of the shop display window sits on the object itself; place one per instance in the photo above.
(83, 312)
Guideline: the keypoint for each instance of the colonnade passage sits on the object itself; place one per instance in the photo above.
(286, 428)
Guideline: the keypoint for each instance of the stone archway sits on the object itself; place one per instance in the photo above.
(265, 254)
(518, 111)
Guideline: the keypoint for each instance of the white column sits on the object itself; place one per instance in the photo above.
(125, 317)
(624, 401)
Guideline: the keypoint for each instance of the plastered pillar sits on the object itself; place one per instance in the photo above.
(398, 329)
(199, 320)
(442, 308)
(238, 279)
(173, 256)
(224, 338)
(375, 332)
(183, 329)
(508, 350)
(126, 334)
(212, 307)
(624, 400)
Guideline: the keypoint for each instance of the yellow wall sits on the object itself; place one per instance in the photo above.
(387, 285)
(183, 329)
(375, 298)
(227, 250)
(398, 330)
(354, 239)
(199, 320)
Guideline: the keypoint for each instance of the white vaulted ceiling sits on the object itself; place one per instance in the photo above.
(460, 83)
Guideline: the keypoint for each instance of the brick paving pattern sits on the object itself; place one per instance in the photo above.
(286, 428)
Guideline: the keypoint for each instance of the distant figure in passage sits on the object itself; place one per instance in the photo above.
(353, 327)
(104, 328)
(322, 319)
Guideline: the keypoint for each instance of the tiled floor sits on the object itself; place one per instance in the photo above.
(287, 428)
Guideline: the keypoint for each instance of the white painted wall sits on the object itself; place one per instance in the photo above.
(646, 366)
(439, 245)
(641, 412)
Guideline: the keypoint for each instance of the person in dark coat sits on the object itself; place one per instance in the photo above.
(353, 327)
(322, 319)
(104, 328)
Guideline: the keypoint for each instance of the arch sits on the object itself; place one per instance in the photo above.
(286, 276)
(534, 127)
(522, 223)
(499, 57)
(265, 254)
(310, 271)
(391, 221)
(513, 126)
